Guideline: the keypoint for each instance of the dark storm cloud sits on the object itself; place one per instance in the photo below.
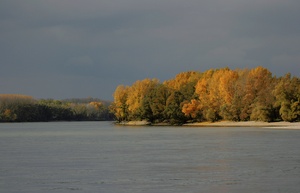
(74, 48)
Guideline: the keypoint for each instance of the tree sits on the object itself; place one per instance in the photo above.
(183, 79)
(154, 103)
(217, 94)
(173, 111)
(8, 116)
(192, 110)
(119, 106)
(136, 93)
(287, 94)
(202, 91)
(258, 87)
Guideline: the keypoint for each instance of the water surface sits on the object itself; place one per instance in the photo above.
(102, 157)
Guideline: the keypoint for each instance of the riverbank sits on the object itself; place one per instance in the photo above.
(286, 125)
(279, 125)
(134, 123)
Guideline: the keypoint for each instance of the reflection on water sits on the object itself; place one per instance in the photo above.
(101, 157)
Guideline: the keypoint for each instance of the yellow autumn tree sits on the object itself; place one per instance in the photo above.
(215, 91)
(136, 93)
(227, 91)
(227, 85)
(96, 105)
(119, 106)
(197, 106)
(182, 79)
(192, 109)
(258, 99)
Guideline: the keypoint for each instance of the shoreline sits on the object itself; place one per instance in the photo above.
(279, 125)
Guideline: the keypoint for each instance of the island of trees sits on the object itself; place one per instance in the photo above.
(213, 95)
(22, 108)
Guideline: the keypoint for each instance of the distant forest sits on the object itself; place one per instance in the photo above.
(22, 108)
(213, 95)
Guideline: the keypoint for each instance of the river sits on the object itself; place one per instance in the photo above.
(102, 157)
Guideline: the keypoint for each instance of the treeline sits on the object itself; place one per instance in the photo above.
(217, 94)
(22, 108)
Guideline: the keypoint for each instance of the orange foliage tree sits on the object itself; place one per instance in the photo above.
(217, 94)
(258, 100)
(119, 106)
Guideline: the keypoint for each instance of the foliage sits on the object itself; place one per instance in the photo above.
(217, 94)
(287, 94)
(22, 108)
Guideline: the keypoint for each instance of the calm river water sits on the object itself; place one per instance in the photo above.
(102, 157)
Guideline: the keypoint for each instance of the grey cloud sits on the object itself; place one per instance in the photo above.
(113, 42)
(81, 61)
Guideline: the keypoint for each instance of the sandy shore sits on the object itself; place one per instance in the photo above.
(286, 125)
(279, 125)
(134, 123)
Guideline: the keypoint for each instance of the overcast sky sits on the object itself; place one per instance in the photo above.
(80, 48)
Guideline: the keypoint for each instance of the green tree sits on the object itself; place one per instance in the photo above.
(154, 103)
(173, 111)
(287, 94)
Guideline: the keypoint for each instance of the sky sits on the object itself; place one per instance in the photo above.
(86, 48)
